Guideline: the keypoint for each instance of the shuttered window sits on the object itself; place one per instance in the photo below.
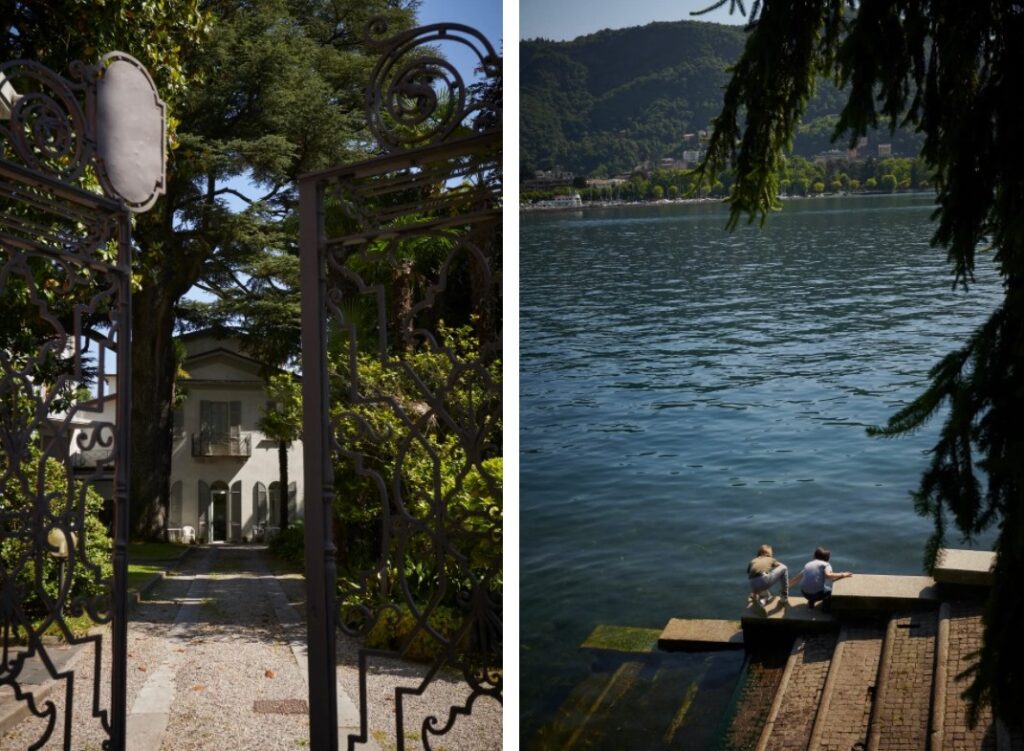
(221, 425)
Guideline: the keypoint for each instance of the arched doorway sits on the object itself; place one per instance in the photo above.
(218, 512)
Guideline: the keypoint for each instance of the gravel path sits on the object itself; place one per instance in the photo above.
(227, 668)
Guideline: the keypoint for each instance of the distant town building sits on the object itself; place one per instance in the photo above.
(885, 149)
(831, 155)
(547, 179)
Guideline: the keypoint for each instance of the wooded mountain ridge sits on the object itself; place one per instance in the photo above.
(603, 103)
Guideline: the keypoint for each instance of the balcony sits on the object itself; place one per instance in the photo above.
(92, 458)
(206, 444)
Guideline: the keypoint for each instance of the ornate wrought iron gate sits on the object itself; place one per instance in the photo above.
(401, 331)
(65, 297)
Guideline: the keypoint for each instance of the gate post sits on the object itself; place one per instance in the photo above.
(320, 550)
(119, 622)
(400, 270)
(68, 310)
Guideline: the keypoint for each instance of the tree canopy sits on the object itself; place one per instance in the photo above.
(955, 73)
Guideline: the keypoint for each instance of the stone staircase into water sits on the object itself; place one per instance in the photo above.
(878, 674)
(885, 679)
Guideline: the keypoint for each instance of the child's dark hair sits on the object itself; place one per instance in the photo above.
(822, 554)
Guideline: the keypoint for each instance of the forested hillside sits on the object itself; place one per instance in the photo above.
(603, 103)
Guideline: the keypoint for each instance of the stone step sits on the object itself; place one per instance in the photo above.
(622, 639)
(965, 567)
(959, 635)
(791, 718)
(844, 711)
(904, 696)
(870, 592)
(695, 634)
(766, 664)
(795, 615)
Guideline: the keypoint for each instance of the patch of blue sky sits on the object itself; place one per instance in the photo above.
(562, 20)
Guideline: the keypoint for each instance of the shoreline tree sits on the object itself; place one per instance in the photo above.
(955, 73)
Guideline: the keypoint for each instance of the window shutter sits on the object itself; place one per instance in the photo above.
(259, 502)
(204, 507)
(236, 511)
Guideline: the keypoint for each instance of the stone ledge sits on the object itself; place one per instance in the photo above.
(796, 614)
(969, 567)
(870, 592)
(683, 634)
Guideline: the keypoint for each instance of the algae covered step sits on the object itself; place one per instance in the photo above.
(622, 639)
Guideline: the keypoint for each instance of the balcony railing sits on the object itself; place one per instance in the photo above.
(204, 444)
(91, 458)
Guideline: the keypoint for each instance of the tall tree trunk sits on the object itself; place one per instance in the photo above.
(402, 285)
(153, 371)
(170, 268)
(282, 493)
(486, 290)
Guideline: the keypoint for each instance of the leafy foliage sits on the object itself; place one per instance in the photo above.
(36, 579)
(397, 630)
(955, 74)
(290, 544)
(405, 444)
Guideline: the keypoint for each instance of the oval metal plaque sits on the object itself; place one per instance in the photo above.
(130, 132)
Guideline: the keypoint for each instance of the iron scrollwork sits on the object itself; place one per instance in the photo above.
(416, 97)
(402, 382)
(65, 275)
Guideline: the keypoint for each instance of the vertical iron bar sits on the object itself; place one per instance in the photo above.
(119, 627)
(320, 561)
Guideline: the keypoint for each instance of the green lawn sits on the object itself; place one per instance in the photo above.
(154, 551)
(148, 559)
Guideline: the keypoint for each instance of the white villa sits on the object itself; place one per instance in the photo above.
(224, 470)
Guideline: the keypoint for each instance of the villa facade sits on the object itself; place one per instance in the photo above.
(224, 484)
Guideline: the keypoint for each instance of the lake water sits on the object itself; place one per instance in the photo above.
(687, 394)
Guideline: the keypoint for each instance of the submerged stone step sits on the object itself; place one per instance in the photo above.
(582, 717)
(622, 639)
(967, 567)
(696, 634)
(870, 592)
